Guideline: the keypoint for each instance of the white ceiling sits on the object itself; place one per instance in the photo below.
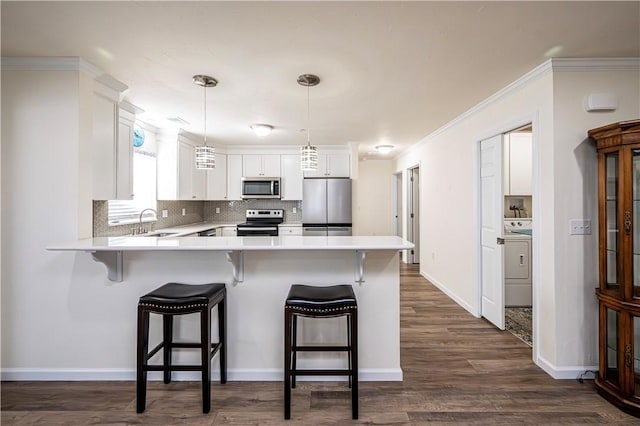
(391, 72)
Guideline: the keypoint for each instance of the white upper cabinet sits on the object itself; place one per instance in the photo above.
(234, 177)
(331, 165)
(291, 174)
(254, 165)
(217, 179)
(178, 178)
(518, 163)
(112, 144)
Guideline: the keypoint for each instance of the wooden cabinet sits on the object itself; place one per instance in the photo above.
(518, 163)
(254, 165)
(331, 165)
(291, 173)
(178, 178)
(217, 179)
(618, 378)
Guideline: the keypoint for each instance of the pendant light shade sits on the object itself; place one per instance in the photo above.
(308, 153)
(205, 154)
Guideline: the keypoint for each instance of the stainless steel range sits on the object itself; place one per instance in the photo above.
(261, 222)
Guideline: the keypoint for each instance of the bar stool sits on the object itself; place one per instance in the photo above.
(320, 302)
(179, 299)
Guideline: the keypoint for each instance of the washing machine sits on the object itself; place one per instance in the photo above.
(517, 262)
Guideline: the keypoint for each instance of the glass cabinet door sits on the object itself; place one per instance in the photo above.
(635, 220)
(611, 211)
(612, 372)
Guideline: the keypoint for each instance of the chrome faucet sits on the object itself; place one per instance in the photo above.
(140, 230)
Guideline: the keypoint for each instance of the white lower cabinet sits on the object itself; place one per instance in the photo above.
(289, 230)
(228, 231)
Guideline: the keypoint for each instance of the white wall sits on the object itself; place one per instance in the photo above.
(564, 188)
(373, 214)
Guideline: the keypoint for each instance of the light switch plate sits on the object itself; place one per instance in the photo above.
(294, 210)
(580, 227)
(165, 213)
(217, 210)
(184, 212)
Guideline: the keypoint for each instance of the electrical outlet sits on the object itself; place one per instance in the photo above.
(294, 210)
(580, 227)
(217, 210)
(184, 212)
(165, 213)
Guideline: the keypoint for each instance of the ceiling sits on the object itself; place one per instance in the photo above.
(391, 72)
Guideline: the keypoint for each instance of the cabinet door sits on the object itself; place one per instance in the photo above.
(217, 179)
(234, 176)
(337, 165)
(252, 165)
(124, 162)
(198, 181)
(291, 184)
(229, 231)
(271, 165)
(105, 113)
(290, 230)
(186, 164)
(322, 167)
(635, 222)
(520, 167)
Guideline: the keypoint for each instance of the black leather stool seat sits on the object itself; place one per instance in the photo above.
(174, 299)
(321, 299)
(320, 302)
(183, 295)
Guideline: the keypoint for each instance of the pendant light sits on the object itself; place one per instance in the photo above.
(308, 153)
(205, 154)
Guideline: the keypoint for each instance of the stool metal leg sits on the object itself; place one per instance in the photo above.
(167, 331)
(287, 364)
(205, 351)
(222, 334)
(354, 364)
(141, 363)
(349, 345)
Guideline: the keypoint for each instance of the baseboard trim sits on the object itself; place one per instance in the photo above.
(564, 373)
(446, 291)
(239, 375)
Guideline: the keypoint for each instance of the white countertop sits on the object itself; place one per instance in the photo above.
(253, 243)
(192, 228)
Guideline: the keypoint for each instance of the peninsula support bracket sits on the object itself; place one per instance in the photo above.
(113, 261)
(236, 258)
(359, 272)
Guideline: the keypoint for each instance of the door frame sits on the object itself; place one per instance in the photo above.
(398, 206)
(411, 258)
(503, 128)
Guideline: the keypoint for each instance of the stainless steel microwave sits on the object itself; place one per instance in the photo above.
(260, 187)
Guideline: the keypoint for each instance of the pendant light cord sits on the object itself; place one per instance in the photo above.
(308, 118)
(205, 114)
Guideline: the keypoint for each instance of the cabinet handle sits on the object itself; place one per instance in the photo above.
(627, 222)
(522, 260)
(193, 196)
(627, 355)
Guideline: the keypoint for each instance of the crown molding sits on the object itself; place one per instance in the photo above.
(49, 63)
(551, 65)
(595, 64)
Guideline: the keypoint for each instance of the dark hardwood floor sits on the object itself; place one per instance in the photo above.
(457, 369)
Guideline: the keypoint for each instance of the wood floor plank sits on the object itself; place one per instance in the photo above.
(457, 369)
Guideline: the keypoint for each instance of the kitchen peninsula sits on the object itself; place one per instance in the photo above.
(258, 272)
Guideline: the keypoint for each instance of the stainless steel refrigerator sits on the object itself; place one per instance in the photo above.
(326, 206)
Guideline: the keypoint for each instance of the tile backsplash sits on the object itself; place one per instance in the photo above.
(196, 211)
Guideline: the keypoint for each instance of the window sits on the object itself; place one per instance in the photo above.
(123, 212)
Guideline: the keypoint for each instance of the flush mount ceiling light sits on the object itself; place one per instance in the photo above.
(384, 149)
(205, 154)
(308, 153)
(261, 129)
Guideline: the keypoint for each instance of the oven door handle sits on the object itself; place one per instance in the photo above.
(255, 228)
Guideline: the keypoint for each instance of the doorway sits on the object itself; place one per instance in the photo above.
(397, 207)
(413, 212)
(506, 231)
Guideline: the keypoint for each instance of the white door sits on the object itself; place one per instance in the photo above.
(413, 213)
(491, 225)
